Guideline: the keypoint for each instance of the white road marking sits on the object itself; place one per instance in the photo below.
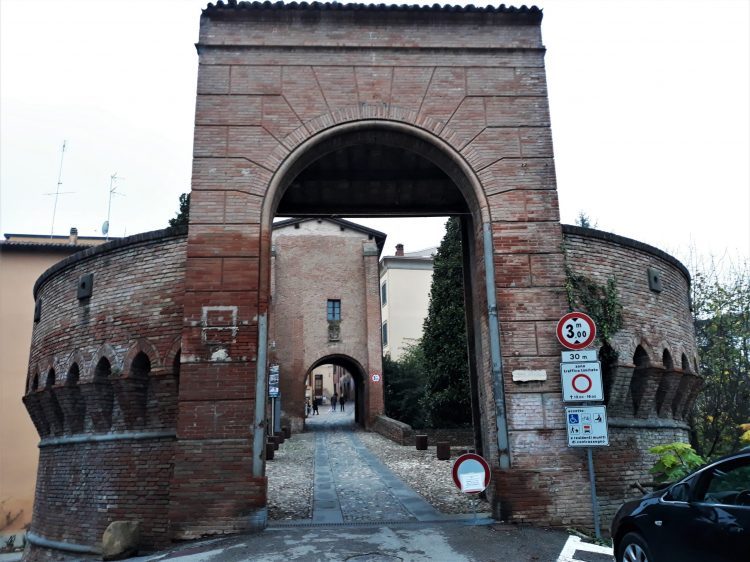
(575, 543)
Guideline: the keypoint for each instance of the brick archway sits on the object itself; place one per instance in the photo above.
(359, 375)
(266, 113)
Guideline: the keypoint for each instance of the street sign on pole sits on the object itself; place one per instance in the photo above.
(582, 382)
(576, 330)
(273, 381)
(587, 426)
(471, 473)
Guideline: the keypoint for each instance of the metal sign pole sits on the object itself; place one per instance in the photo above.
(594, 502)
(273, 416)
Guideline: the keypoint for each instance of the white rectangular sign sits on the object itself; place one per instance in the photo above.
(581, 382)
(587, 426)
(472, 482)
(579, 356)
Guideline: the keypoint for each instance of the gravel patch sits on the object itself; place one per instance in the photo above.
(424, 473)
(290, 476)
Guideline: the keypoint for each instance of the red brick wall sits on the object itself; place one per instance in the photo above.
(658, 322)
(135, 307)
(655, 321)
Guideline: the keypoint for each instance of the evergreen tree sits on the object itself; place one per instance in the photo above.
(183, 215)
(447, 398)
(404, 386)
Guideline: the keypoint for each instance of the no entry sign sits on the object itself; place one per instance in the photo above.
(576, 330)
(581, 382)
(471, 473)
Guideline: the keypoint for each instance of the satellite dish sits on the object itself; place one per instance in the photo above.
(105, 228)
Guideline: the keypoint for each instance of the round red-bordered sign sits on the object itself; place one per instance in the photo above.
(471, 458)
(576, 330)
(586, 381)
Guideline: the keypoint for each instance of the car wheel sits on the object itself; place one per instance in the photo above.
(633, 549)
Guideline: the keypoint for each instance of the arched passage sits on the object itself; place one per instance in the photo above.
(424, 131)
(358, 375)
(380, 168)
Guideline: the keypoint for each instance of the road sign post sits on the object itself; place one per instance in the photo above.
(581, 375)
(273, 394)
(587, 427)
(471, 474)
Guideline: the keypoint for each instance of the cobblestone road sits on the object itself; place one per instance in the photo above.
(334, 473)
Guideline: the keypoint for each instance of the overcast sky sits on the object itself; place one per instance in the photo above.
(649, 100)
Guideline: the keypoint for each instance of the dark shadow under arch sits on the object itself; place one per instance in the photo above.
(393, 168)
(638, 382)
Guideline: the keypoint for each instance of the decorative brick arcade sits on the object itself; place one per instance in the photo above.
(149, 391)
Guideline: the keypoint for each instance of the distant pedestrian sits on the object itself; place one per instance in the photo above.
(315, 406)
(334, 400)
(307, 407)
(342, 401)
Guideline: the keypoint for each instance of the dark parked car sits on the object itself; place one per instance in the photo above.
(705, 517)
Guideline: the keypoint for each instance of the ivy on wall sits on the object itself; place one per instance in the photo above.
(598, 301)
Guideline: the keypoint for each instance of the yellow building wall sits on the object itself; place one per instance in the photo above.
(18, 437)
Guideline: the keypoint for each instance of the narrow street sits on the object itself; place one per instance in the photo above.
(351, 485)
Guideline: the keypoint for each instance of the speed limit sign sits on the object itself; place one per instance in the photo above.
(576, 330)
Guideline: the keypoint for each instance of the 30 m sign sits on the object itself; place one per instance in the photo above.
(576, 330)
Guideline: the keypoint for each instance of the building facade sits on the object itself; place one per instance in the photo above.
(324, 311)
(23, 258)
(405, 281)
(152, 387)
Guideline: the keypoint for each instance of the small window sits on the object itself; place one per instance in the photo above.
(334, 309)
(383, 295)
(385, 333)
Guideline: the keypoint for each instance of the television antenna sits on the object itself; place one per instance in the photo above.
(57, 192)
(112, 191)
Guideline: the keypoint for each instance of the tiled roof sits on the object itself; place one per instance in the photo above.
(376, 234)
(533, 13)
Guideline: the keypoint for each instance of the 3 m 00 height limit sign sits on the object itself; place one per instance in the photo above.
(576, 330)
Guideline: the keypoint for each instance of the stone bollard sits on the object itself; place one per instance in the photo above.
(287, 432)
(443, 451)
(421, 442)
(270, 448)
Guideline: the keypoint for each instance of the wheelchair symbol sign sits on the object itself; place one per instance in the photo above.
(573, 418)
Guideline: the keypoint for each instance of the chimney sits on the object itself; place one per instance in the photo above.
(399, 249)
(74, 235)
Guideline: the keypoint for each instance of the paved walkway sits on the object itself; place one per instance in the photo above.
(351, 485)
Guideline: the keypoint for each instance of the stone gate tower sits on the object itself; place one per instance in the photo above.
(445, 111)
